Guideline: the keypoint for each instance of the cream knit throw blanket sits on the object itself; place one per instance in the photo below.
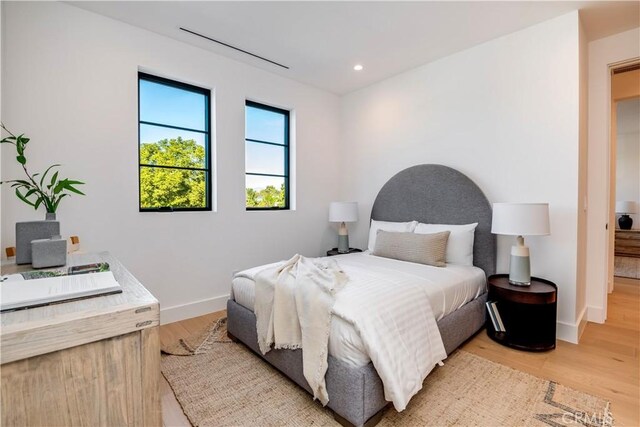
(306, 286)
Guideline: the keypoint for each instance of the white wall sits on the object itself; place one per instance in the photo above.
(505, 113)
(581, 281)
(1, 117)
(628, 154)
(71, 85)
(602, 52)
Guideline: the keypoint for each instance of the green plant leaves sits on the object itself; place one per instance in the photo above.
(57, 202)
(53, 179)
(45, 174)
(17, 182)
(21, 142)
(23, 197)
(67, 184)
(55, 188)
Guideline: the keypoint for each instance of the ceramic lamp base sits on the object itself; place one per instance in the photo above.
(625, 222)
(343, 244)
(520, 265)
(520, 271)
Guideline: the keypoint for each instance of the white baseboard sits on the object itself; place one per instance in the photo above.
(596, 314)
(571, 332)
(567, 332)
(582, 322)
(193, 309)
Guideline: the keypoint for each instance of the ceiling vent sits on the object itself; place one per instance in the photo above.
(234, 48)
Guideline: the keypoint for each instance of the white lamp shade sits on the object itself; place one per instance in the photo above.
(627, 207)
(343, 212)
(520, 219)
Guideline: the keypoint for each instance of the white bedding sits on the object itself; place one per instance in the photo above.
(449, 288)
(294, 308)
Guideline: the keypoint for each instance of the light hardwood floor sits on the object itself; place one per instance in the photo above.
(606, 362)
(172, 415)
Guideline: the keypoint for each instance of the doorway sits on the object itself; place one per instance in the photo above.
(624, 176)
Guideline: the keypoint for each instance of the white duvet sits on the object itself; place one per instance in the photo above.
(448, 289)
(391, 311)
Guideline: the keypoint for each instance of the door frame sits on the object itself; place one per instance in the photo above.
(611, 176)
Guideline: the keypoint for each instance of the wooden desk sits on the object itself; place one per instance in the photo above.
(92, 362)
(628, 243)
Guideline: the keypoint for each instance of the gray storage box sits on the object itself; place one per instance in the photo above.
(48, 252)
(32, 230)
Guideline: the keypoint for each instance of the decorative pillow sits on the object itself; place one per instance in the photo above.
(460, 245)
(427, 249)
(406, 227)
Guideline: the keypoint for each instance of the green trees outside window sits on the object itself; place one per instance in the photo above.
(178, 188)
(268, 197)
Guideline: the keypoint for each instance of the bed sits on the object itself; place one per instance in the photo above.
(433, 194)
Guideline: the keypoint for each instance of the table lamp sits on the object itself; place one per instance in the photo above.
(624, 209)
(520, 219)
(343, 212)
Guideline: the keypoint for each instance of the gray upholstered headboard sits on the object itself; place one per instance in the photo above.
(438, 194)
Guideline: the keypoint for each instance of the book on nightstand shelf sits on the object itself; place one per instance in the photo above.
(494, 315)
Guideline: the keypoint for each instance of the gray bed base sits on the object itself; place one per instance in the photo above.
(356, 395)
(431, 194)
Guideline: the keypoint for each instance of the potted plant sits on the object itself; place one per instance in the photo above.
(38, 189)
(47, 190)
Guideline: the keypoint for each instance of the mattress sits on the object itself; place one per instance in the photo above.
(448, 288)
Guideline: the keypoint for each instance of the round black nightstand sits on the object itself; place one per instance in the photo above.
(334, 251)
(528, 313)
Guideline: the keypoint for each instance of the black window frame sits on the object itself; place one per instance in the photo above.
(207, 146)
(287, 149)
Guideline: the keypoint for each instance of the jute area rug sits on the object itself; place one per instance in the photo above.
(221, 383)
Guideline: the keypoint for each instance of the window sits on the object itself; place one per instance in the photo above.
(266, 157)
(174, 145)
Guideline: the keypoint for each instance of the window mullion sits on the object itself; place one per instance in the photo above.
(148, 123)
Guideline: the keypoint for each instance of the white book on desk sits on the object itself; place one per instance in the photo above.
(32, 293)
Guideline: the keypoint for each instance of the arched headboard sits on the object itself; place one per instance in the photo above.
(438, 194)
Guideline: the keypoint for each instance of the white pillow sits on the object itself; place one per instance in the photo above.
(460, 245)
(402, 227)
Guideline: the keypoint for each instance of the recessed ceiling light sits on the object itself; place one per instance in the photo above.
(358, 67)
